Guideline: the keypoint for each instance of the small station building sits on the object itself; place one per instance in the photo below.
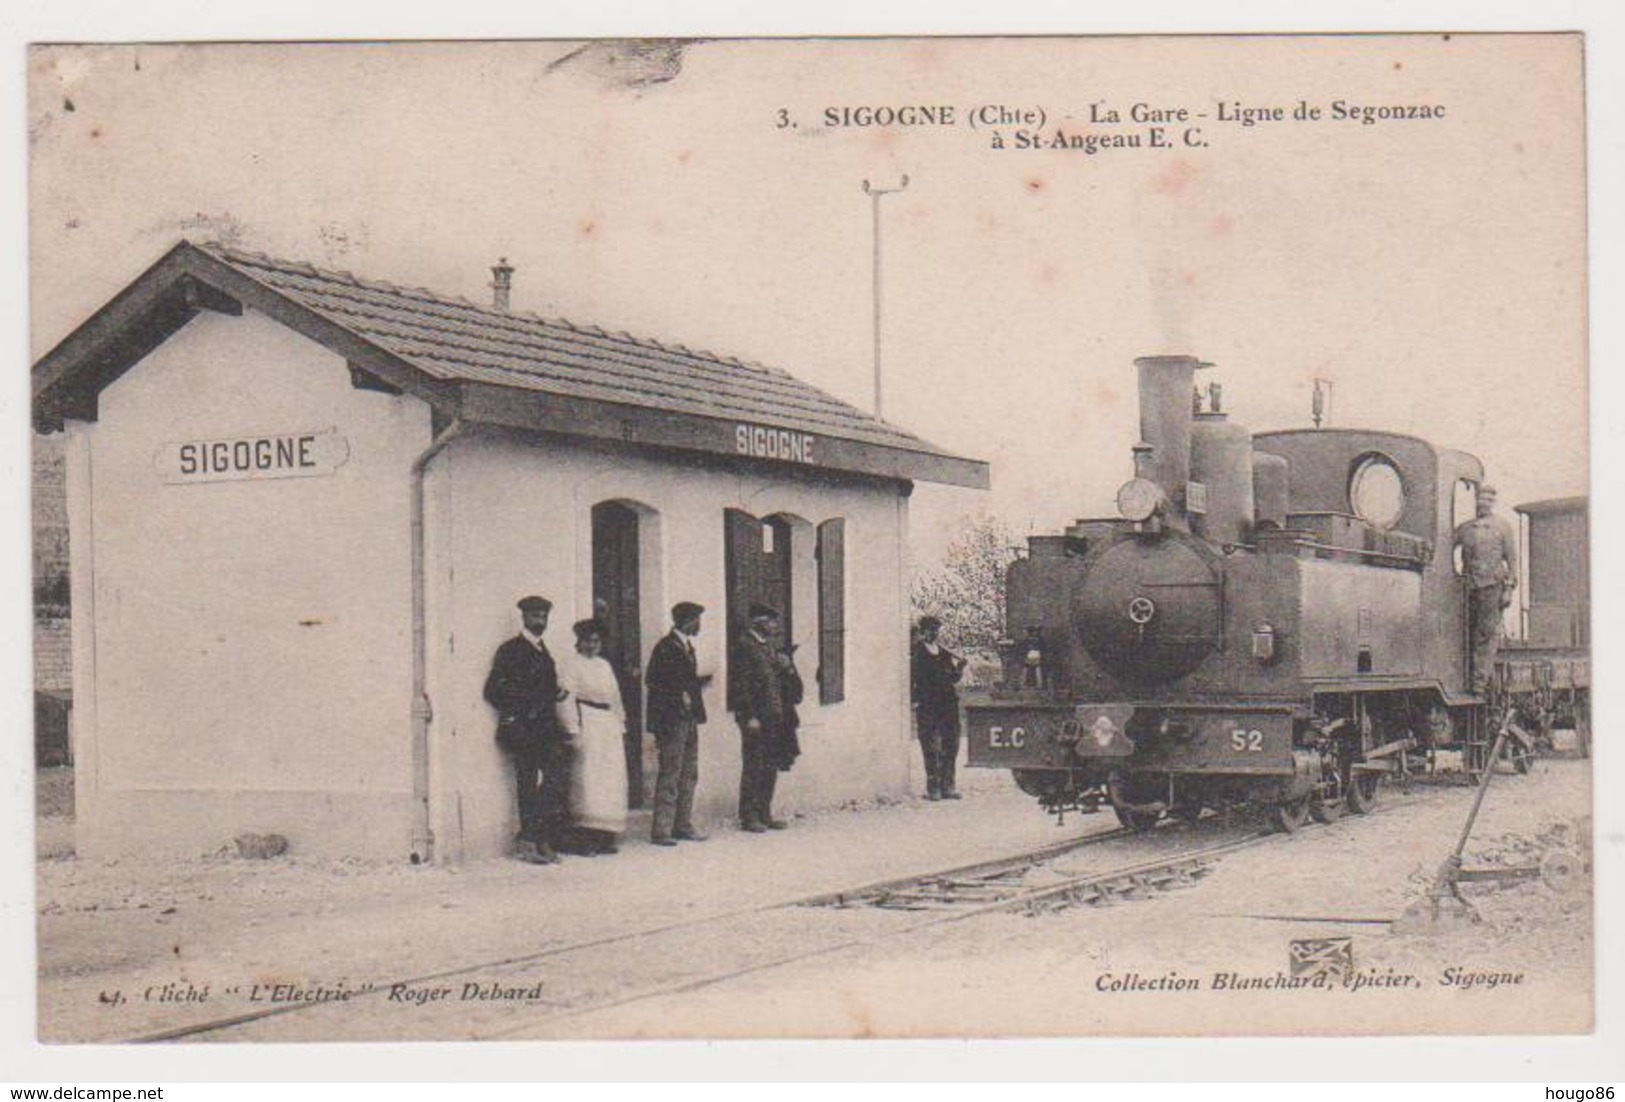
(302, 504)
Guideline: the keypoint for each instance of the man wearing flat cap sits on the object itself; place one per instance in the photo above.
(524, 689)
(756, 698)
(934, 673)
(676, 710)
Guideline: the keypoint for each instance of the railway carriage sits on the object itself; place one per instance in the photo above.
(1272, 618)
(1544, 674)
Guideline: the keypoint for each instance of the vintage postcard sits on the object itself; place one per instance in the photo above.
(782, 538)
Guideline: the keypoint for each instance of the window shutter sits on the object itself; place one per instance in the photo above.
(742, 563)
(832, 611)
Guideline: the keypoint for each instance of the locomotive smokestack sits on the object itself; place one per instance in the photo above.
(1166, 384)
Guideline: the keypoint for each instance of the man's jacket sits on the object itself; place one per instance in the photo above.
(673, 679)
(524, 689)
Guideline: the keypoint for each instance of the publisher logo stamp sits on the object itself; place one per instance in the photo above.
(1332, 957)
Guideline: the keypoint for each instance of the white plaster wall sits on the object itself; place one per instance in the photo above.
(242, 648)
(509, 518)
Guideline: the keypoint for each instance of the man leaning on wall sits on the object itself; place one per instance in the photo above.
(523, 687)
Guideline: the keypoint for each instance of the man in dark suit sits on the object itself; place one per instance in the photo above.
(524, 689)
(934, 673)
(676, 710)
(756, 698)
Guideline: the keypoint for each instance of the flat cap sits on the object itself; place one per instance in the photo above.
(685, 610)
(535, 604)
(757, 609)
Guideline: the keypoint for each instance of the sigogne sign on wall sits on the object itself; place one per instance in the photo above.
(312, 454)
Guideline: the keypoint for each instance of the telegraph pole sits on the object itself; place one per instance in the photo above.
(876, 194)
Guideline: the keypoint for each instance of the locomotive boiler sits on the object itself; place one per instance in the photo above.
(1271, 618)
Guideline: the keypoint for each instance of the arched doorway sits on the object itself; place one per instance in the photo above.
(617, 598)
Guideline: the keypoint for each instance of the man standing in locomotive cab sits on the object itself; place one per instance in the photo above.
(523, 687)
(1489, 562)
(934, 671)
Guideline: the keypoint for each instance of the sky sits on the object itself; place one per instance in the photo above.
(1431, 269)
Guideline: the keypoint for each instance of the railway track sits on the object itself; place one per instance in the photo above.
(673, 958)
(1018, 884)
(991, 888)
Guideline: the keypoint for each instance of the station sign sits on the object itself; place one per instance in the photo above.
(313, 454)
(763, 442)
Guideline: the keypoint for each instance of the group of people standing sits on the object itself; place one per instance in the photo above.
(563, 725)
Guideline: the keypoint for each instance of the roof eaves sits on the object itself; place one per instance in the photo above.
(321, 328)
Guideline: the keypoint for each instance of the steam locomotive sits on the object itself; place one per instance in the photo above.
(1273, 619)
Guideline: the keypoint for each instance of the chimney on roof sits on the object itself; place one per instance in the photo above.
(501, 284)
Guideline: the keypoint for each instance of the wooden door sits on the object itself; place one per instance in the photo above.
(831, 556)
(617, 595)
(759, 563)
(742, 565)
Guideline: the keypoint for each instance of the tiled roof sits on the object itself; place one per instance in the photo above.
(455, 340)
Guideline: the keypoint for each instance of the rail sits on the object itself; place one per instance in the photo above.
(1118, 881)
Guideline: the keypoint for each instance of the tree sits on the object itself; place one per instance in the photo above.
(967, 594)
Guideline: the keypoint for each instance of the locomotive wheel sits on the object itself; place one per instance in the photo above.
(1291, 815)
(1135, 799)
(1324, 810)
(1334, 769)
(1362, 794)
(1138, 821)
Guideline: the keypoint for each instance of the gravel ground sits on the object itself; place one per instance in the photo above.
(126, 947)
(113, 934)
(1118, 970)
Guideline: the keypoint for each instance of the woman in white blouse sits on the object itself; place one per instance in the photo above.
(595, 719)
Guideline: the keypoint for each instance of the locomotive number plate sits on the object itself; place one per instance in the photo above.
(1246, 740)
(1259, 742)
